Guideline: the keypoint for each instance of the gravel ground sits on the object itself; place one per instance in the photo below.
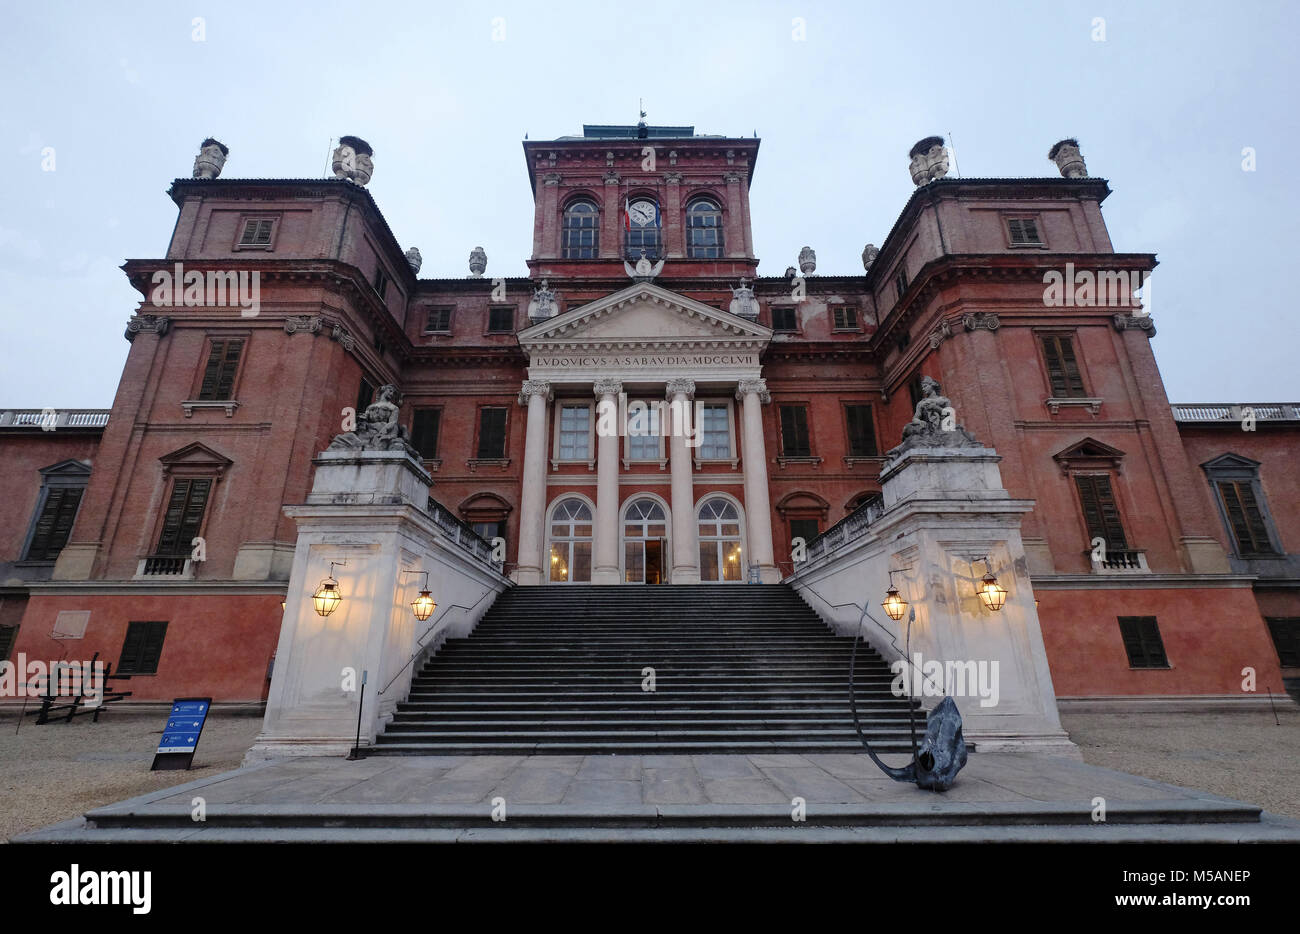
(60, 770)
(54, 772)
(1244, 755)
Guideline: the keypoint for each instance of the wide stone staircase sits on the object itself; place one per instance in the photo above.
(562, 670)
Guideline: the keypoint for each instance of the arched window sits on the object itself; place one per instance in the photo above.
(720, 551)
(645, 531)
(571, 542)
(581, 229)
(703, 229)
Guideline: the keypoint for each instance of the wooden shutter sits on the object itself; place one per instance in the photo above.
(219, 374)
(8, 636)
(1245, 517)
(862, 436)
(184, 516)
(1100, 512)
(794, 431)
(492, 433)
(256, 232)
(55, 523)
(1142, 642)
(1285, 633)
(1062, 367)
(142, 648)
(424, 432)
(365, 395)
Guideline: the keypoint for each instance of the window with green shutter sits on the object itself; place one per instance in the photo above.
(1100, 513)
(1141, 636)
(55, 523)
(219, 373)
(1284, 630)
(424, 432)
(1062, 367)
(492, 433)
(862, 433)
(8, 636)
(1245, 517)
(794, 431)
(142, 649)
(184, 516)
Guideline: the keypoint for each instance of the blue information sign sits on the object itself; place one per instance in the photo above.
(181, 735)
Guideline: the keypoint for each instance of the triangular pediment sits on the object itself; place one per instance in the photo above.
(644, 316)
(1089, 453)
(1230, 462)
(195, 457)
(68, 468)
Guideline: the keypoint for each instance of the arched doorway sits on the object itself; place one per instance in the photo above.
(570, 533)
(721, 554)
(645, 541)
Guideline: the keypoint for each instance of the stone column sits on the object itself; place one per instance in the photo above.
(605, 533)
(532, 500)
(686, 549)
(753, 393)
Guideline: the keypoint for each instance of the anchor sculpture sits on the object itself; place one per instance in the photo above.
(940, 755)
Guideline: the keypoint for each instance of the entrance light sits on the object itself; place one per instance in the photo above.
(327, 598)
(992, 594)
(894, 605)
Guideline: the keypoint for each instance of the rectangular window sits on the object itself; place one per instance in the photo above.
(643, 433)
(381, 281)
(142, 648)
(257, 232)
(365, 395)
(489, 530)
(219, 373)
(846, 318)
(900, 281)
(501, 320)
(439, 320)
(424, 432)
(1024, 231)
(1285, 633)
(1142, 642)
(715, 433)
(55, 523)
(1245, 517)
(794, 431)
(8, 636)
(804, 528)
(914, 389)
(862, 433)
(1062, 367)
(492, 433)
(1099, 510)
(574, 422)
(184, 516)
(785, 319)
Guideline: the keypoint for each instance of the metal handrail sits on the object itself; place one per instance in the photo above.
(420, 641)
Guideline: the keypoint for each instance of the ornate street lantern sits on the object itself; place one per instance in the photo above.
(895, 606)
(992, 594)
(423, 605)
(327, 598)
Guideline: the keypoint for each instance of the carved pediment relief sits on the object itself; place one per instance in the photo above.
(1089, 453)
(195, 459)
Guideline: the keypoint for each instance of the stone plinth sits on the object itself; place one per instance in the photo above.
(366, 513)
(945, 510)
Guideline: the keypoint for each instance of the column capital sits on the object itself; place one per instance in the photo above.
(680, 385)
(607, 387)
(534, 387)
(759, 386)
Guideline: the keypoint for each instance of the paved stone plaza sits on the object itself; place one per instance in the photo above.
(670, 798)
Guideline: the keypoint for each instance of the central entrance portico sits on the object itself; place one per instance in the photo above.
(647, 389)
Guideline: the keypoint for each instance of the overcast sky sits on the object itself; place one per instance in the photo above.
(1163, 108)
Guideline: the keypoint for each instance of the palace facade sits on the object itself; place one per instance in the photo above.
(645, 409)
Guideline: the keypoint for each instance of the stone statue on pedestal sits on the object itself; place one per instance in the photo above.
(377, 428)
(927, 427)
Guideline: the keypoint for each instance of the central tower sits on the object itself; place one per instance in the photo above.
(604, 197)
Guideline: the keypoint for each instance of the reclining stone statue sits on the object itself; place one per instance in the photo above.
(377, 428)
